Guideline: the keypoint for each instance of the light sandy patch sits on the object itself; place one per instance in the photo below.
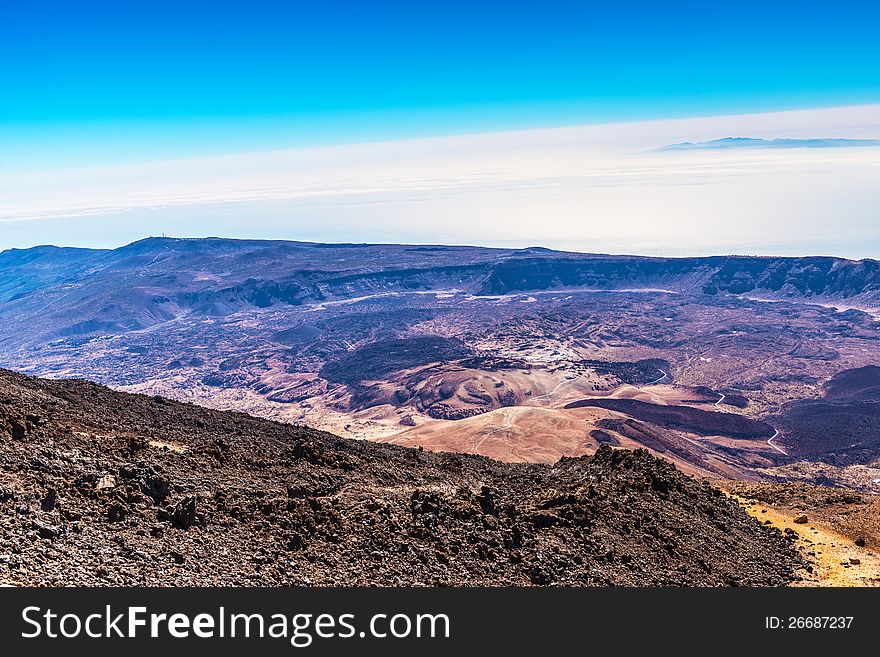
(829, 553)
(169, 445)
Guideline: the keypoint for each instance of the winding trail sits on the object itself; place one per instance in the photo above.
(552, 392)
(653, 383)
(720, 401)
(770, 442)
(575, 378)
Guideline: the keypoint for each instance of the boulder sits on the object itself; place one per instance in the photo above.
(45, 530)
(184, 514)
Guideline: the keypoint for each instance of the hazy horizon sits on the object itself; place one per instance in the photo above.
(493, 125)
(498, 245)
(594, 188)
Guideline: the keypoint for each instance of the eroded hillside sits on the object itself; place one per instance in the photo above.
(100, 487)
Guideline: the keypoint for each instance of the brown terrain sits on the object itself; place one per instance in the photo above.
(837, 531)
(760, 371)
(105, 488)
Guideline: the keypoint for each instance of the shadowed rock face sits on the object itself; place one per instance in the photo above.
(789, 277)
(100, 487)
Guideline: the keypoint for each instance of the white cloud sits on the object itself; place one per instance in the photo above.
(593, 187)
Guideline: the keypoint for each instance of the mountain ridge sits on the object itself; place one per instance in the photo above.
(490, 269)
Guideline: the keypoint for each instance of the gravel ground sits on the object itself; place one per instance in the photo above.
(105, 488)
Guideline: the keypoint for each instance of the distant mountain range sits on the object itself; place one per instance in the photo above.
(47, 293)
(156, 279)
(735, 143)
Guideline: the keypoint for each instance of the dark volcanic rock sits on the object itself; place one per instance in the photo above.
(788, 277)
(287, 505)
(184, 515)
(378, 359)
(45, 531)
(603, 437)
(684, 418)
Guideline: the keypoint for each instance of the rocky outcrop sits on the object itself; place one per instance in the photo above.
(115, 489)
(793, 278)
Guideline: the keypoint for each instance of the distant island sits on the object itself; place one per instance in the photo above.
(729, 143)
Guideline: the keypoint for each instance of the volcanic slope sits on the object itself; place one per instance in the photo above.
(100, 487)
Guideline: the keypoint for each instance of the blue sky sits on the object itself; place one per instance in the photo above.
(91, 82)
(290, 120)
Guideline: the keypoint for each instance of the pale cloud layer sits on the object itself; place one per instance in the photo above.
(591, 188)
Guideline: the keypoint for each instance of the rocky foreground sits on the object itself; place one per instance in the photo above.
(104, 488)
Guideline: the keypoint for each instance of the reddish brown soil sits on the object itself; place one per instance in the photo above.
(105, 488)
